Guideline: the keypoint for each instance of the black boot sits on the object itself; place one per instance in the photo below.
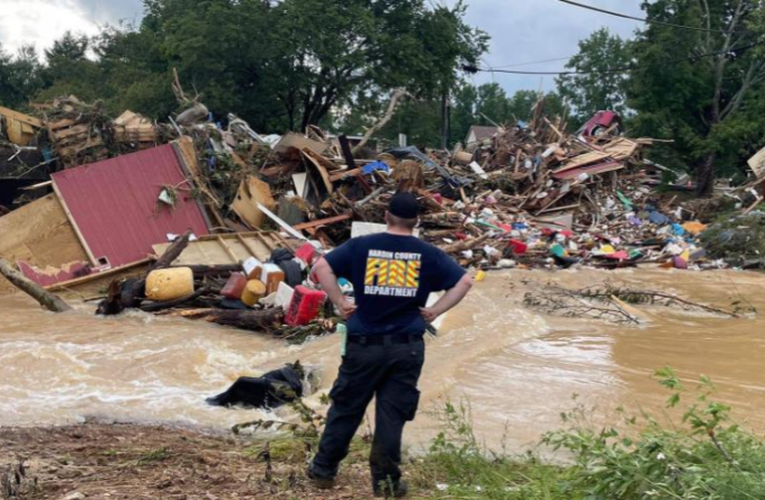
(322, 483)
(391, 489)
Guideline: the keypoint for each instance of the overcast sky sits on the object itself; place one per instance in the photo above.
(521, 31)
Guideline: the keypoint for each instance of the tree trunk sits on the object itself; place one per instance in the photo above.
(707, 175)
(45, 298)
(173, 252)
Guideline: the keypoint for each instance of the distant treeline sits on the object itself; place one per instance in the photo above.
(695, 73)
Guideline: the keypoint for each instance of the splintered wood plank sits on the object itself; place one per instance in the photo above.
(226, 249)
(251, 192)
(315, 160)
(72, 131)
(21, 117)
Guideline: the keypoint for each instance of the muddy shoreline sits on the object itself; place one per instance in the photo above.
(129, 461)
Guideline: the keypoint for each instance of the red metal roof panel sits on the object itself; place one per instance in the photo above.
(115, 203)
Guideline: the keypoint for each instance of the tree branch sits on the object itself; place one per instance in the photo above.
(397, 95)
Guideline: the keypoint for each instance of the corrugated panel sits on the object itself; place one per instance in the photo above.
(114, 203)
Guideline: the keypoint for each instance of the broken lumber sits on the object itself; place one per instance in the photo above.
(461, 246)
(243, 319)
(45, 298)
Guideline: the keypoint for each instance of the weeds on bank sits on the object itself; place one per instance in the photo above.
(458, 466)
(157, 455)
(704, 456)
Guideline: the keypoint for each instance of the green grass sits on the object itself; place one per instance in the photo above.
(704, 456)
(156, 455)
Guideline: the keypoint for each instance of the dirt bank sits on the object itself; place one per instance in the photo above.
(97, 461)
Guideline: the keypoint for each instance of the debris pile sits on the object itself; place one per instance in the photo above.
(195, 220)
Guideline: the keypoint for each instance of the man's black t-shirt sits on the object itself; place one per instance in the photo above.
(392, 277)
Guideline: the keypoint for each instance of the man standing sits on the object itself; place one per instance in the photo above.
(393, 273)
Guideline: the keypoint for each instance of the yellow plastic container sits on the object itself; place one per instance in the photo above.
(480, 275)
(169, 284)
(253, 292)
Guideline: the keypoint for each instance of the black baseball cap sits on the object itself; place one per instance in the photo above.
(404, 206)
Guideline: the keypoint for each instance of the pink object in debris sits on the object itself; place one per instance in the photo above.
(52, 276)
(679, 263)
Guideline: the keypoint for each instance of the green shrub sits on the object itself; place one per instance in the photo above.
(704, 456)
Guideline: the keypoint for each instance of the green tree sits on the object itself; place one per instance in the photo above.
(492, 105)
(464, 102)
(221, 48)
(20, 77)
(697, 87)
(521, 105)
(68, 70)
(326, 51)
(599, 86)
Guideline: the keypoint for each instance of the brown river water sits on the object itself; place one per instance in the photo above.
(517, 369)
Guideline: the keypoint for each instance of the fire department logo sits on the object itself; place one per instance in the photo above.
(392, 274)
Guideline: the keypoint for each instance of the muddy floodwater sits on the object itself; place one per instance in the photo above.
(517, 368)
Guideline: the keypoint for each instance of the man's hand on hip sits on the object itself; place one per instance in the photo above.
(430, 313)
(347, 308)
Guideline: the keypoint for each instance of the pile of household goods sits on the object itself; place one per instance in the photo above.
(256, 211)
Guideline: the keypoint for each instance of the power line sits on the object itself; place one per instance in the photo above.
(532, 63)
(474, 69)
(642, 19)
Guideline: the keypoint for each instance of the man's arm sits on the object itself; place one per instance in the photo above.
(328, 282)
(451, 298)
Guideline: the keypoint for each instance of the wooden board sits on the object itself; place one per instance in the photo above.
(226, 249)
(582, 160)
(97, 284)
(251, 192)
(40, 234)
(293, 140)
(619, 149)
(20, 128)
(313, 159)
(757, 164)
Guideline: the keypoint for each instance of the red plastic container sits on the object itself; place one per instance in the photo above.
(305, 306)
(234, 286)
(519, 247)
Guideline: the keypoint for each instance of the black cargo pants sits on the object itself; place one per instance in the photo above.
(390, 372)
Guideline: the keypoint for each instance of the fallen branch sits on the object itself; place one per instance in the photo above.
(395, 98)
(130, 293)
(46, 299)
